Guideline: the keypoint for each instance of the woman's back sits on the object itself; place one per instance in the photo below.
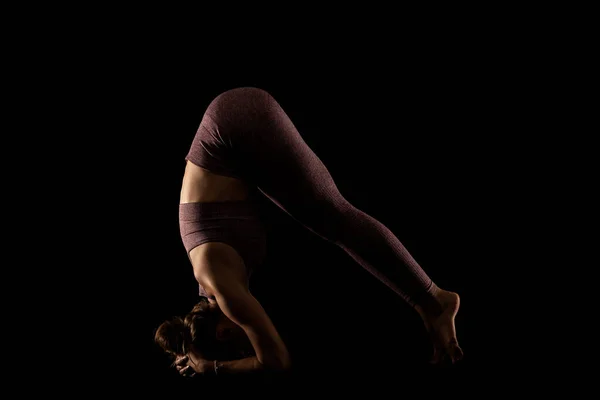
(202, 186)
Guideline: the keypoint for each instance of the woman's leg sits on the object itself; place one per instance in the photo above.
(287, 171)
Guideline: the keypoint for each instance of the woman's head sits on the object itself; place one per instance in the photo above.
(206, 331)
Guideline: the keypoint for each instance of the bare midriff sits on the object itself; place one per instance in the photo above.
(200, 185)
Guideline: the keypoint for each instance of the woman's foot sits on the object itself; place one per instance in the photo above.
(441, 327)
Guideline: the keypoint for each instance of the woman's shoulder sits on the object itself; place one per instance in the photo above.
(216, 252)
(215, 262)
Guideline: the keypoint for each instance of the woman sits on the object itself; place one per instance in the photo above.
(246, 141)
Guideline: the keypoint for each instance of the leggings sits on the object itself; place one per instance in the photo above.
(246, 134)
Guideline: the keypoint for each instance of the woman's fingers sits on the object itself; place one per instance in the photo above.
(181, 360)
(186, 371)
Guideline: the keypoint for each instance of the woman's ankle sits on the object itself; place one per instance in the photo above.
(431, 303)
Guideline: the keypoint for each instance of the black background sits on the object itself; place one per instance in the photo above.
(424, 154)
(437, 130)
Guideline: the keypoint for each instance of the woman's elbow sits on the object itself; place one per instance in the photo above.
(284, 364)
(278, 363)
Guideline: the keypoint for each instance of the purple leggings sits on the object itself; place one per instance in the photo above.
(245, 134)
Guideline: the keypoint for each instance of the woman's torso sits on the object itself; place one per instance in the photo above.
(200, 185)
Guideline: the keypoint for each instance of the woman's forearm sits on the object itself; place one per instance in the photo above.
(241, 366)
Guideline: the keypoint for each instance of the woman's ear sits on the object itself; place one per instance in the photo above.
(225, 328)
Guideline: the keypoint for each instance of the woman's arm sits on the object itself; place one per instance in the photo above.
(190, 364)
(221, 270)
(241, 307)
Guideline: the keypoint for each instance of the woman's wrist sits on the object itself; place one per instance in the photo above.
(238, 366)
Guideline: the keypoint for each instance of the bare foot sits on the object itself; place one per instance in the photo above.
(441, 328)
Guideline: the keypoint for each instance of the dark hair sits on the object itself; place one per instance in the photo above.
(198, 328)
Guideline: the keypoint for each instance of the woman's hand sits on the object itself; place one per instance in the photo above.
(190, 365)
